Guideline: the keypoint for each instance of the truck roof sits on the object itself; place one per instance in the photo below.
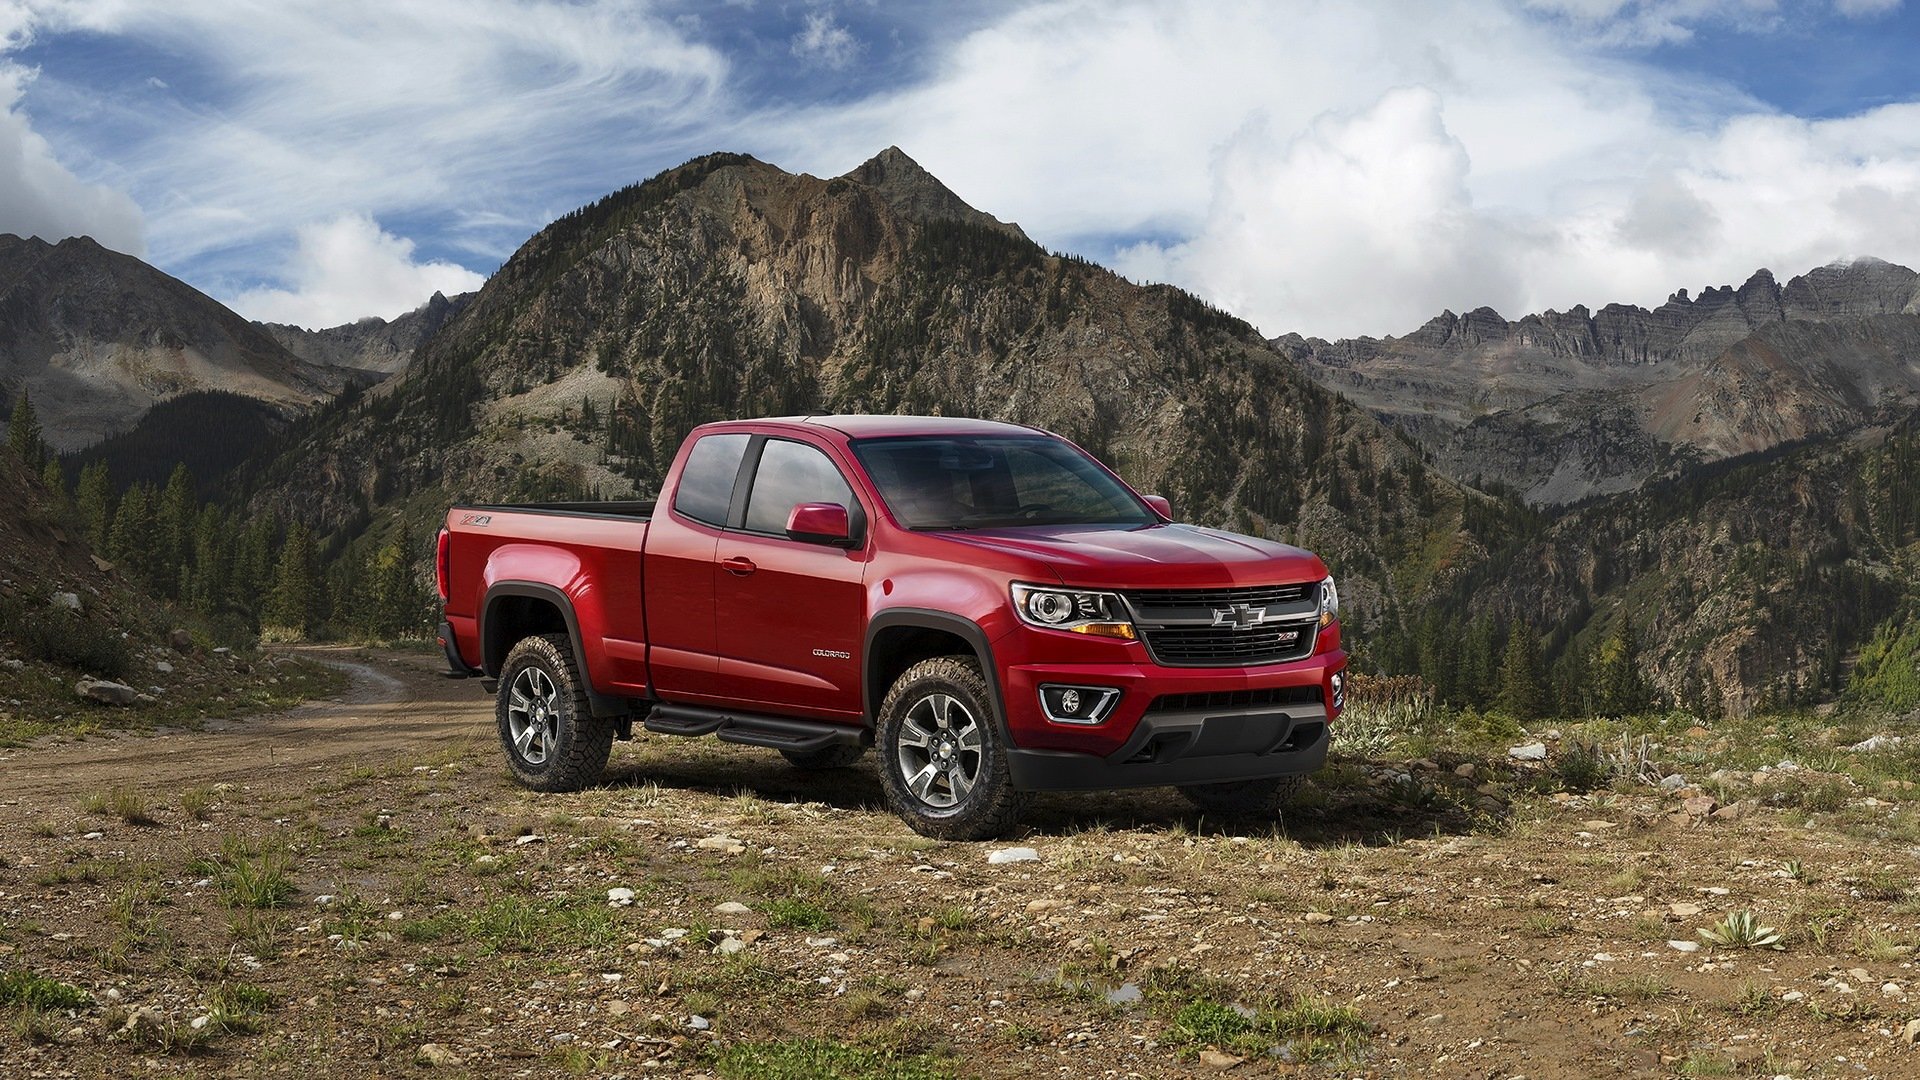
(865, 426)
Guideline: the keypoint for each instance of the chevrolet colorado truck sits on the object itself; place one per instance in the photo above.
(986, 604)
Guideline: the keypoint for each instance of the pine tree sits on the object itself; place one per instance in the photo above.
(131, 540)
(212, 572)
(23, 433)
(291, 603)
(173, 534)
(54, 479)
(93, 497)
(395, 600)
(1619, 687)
(1522, 690)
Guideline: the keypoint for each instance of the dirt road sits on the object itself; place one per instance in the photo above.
(395, 704)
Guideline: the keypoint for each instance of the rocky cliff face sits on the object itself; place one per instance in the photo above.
(1567, 405)
(97, 338)
(372, 345)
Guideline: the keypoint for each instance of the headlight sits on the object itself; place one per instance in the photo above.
(1329, 601)
(1100, 614)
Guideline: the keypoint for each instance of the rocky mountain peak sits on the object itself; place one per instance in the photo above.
(916, 194)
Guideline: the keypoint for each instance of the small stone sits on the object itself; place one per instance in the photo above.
(437, 1056)
(163, 667)
(822, 942)
(198, 1022)
(729, 945)
(699, 1023)
(722, 843)
(1684, 946)
(1316, 918)
(563, 1037)
(1013, 855)
(732, 907)
(181, 640)
(1793, 995)
(916, 993)
(1892, 990)
(1672, 782)
(620, 897)
(523, 841)
(1465, 770)
(396, 916)
(1699, 805)
(1045, 904)
(1529, 752)
(1684, 910)
(67, 600)
(1911, 1033)
(618, 1008)
(101, 564)
(1214, 1059)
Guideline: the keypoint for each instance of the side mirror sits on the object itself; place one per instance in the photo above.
(1160, 505)
(820, 523)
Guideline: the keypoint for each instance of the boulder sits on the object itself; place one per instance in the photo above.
(105, 692)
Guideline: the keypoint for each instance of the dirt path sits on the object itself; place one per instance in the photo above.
(396, 703)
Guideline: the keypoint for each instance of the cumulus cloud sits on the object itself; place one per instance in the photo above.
(1355, 169)
(825, 42)
(41, 197)
(349, 268)
(1865, 9)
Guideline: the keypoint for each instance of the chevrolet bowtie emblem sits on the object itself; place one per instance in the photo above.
(1239, 616)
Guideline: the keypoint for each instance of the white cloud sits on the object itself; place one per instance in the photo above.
(1865, 9)
(307, 112)
(1353, 169)
(825, 42)
(349, 268)
(41, 197)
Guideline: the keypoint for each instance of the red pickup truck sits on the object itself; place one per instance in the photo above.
(993, 608)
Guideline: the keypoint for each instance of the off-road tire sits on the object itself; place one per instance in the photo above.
(1244, 798)
(575, 746)
(991, 805)
(837, 756)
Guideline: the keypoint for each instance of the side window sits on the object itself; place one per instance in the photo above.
(706, 484)
(791, 473)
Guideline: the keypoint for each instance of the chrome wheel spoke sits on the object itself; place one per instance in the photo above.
(921, 783)
(518, 702)
(969, 739)
(912, 734)
(939, 751)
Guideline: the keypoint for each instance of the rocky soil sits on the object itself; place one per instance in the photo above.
(356, 888)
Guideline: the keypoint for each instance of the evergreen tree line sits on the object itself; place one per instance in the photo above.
(246, 572)
(1489, 665)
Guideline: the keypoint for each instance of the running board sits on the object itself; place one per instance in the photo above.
(752, 729)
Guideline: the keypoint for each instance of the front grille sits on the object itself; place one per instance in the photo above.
(1251, 595)
(1200, 627)
(1236, 699)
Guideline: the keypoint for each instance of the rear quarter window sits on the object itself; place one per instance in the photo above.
(706, 484)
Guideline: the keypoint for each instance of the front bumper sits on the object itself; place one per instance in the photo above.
(1188, 747)
(1171, 725)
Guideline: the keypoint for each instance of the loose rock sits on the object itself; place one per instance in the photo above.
(1013, 855)
(105, 692)
(1529, 752)
(437, 1056)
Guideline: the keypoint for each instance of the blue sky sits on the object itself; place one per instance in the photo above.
(1322, 167)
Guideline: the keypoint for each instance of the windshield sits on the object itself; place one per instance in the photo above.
(995, 482)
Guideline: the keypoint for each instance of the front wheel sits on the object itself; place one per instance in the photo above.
(942, 761)
(552, 739)
(1244, 798)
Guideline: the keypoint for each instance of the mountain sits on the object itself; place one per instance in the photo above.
(372, 344)
(1563, 406)
(728, 287)
(97, 338)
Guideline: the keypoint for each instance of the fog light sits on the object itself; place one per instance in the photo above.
(1078, 704)
(1339, 683)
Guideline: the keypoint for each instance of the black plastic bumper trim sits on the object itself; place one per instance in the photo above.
(1200, 747)
(456, 667)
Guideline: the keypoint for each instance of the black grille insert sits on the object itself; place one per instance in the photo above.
(1236, 699)
(1251, 595)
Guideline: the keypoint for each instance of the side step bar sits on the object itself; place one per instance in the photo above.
(752, 729)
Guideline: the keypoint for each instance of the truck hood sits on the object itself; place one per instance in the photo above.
(1151, 556)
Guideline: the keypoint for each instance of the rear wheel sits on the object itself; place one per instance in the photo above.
(942, 761)
(547, 727)
(838, 756)
(1244, 798)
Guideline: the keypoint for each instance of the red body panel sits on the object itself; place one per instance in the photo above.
(674, 610)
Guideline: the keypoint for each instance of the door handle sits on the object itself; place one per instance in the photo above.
(738, 566)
